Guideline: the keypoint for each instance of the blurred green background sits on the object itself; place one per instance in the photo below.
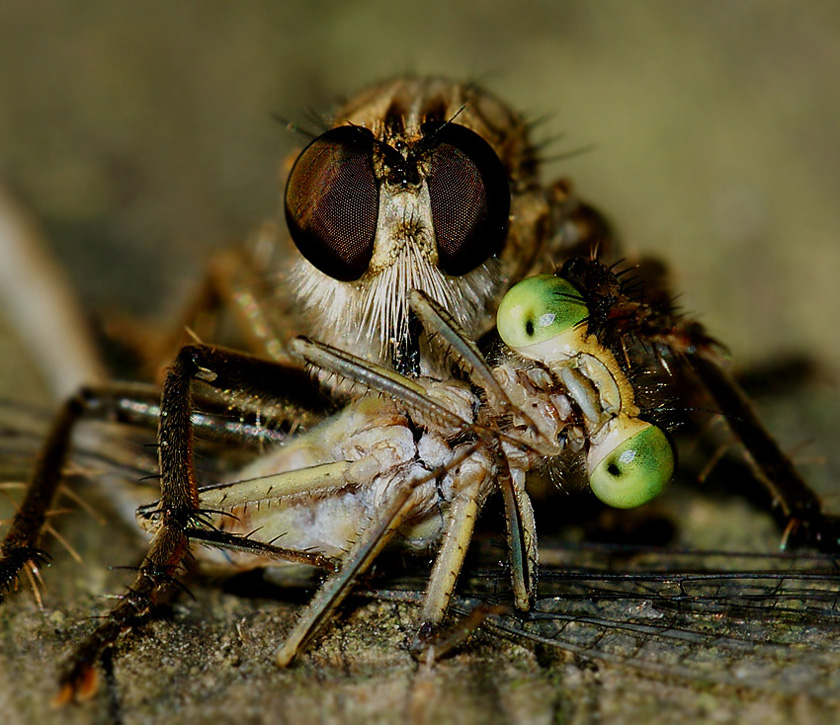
(141, 137)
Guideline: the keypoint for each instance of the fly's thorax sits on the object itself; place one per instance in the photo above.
(421, 184)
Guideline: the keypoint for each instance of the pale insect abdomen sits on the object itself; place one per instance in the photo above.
(363, 454)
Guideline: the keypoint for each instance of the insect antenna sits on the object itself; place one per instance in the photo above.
(294, 128)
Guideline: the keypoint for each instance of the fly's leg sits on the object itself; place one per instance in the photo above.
(292, 401)
(232, 282)
(461, 518)
(798, 504)
(241, 377)
(522, 537)
(236, 280)
(374, 538)
(793, 498)
(20, 548)
(468, 491)
(376, 535)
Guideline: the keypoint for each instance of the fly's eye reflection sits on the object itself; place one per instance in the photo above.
(332, 202)
(537, 310)
(637, 466)
(470, 197)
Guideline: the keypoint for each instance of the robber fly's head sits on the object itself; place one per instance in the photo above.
(411, 188)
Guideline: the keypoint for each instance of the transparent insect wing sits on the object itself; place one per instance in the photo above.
(689, 616)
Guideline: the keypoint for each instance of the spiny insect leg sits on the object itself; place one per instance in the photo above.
(461, 518)
(795, 499)
(333, 591)
(20, 547)
(241, 377)
(168, 547)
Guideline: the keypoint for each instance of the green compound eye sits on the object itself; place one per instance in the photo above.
(636, 470)
(539, 309)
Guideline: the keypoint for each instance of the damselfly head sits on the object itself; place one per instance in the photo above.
(629, 461)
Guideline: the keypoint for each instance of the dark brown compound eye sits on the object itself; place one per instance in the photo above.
(332, 202)
(470, 197)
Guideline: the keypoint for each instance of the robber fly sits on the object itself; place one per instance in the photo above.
(412, 217)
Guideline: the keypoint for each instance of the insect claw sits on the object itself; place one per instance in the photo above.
(78, 685)
(432, 643)
(423, 640)
(16, 560)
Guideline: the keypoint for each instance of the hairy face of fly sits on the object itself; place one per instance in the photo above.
(407, 191)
